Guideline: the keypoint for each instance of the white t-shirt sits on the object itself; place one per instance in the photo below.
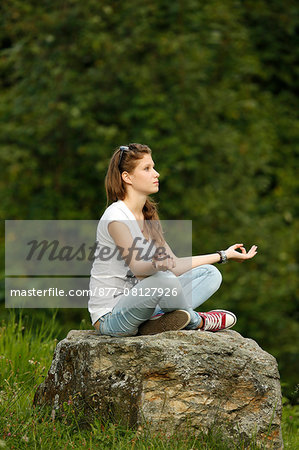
(110, 276)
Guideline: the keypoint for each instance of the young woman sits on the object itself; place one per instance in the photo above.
(137, 284)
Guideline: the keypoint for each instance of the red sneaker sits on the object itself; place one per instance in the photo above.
(217, 320)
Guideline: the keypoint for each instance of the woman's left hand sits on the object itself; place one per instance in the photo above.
(235, 255)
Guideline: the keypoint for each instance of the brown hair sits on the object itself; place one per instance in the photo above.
(115, 187)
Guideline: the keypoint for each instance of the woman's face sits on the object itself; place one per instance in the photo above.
(144, 178)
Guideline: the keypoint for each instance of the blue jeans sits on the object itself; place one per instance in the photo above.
(164, 292)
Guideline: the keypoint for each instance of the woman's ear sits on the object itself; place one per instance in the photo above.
(126, 177)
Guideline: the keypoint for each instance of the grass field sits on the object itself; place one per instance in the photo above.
(25, 358)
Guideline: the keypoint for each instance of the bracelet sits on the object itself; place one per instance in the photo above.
(223, 257)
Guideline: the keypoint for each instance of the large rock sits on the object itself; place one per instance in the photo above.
(177, 378)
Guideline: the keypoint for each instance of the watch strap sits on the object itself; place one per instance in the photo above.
(223, 257)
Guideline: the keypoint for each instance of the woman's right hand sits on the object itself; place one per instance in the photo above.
(163, 261)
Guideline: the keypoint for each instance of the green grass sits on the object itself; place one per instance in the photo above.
(25, 357)
(290, 425)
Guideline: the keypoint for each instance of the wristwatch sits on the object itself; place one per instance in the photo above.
(223, 257)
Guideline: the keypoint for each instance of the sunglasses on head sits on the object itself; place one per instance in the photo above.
(125, 148)
(122, 149)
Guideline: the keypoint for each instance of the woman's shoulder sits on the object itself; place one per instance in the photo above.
(115, 211)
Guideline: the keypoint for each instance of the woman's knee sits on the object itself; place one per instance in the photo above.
(215, 275)
(210, 272)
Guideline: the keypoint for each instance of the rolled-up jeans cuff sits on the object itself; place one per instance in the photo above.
(101, 321)
(111, 326)
(195, 321)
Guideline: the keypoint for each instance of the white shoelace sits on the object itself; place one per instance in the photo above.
(213, 321)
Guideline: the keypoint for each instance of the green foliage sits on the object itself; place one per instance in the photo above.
(211, 87)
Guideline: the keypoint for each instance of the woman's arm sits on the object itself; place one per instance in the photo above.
(131, 250)
(182, 265)
(123, 239)
(167, 260)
